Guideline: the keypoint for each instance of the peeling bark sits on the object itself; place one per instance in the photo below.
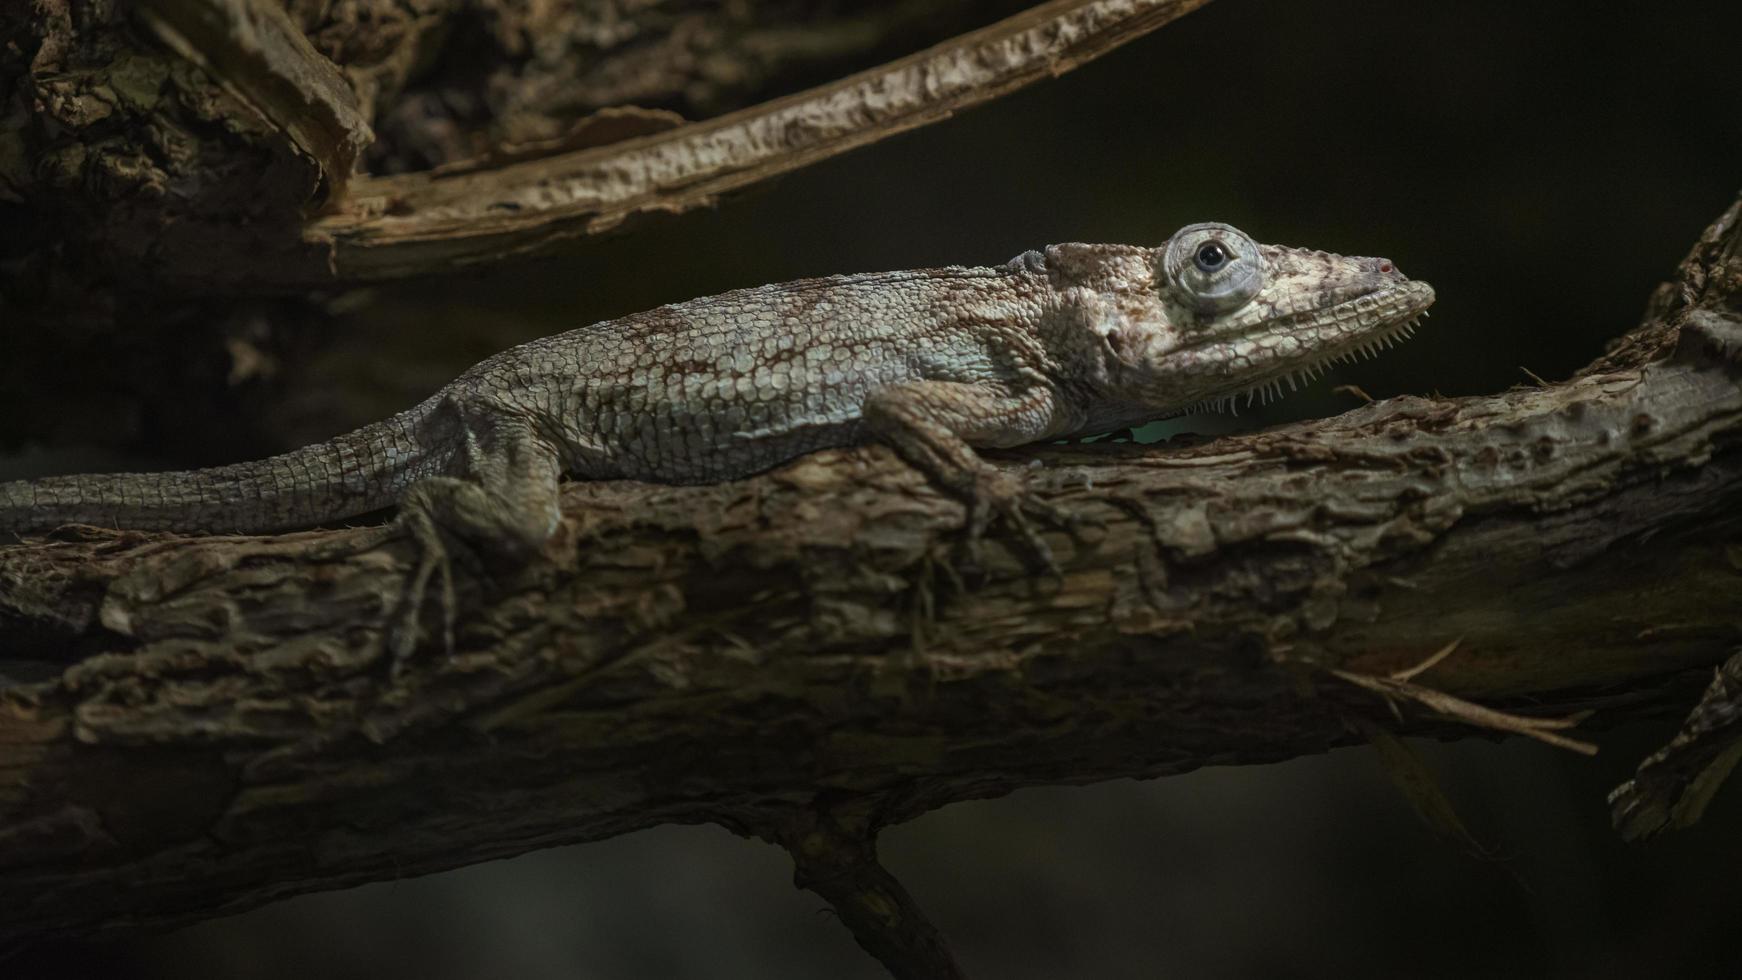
(202, 724)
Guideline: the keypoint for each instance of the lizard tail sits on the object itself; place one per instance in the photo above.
(358, 472)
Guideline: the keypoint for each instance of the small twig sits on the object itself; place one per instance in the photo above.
(1469, 712)
(1409, 673)
(1532, 375)
(1353, 390)
(838, 861)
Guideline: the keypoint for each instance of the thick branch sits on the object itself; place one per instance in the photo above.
(211, 723)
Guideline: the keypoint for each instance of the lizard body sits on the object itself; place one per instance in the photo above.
(1071, 340)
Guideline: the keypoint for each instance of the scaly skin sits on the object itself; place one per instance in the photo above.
(1071, 340)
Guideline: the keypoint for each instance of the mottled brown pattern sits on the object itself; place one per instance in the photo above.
(1076, 339)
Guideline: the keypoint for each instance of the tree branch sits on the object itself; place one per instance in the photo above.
(252, 48)
(427, 223)
(839, 862)
(207, 723)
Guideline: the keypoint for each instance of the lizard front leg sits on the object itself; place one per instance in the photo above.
(934, 425)
(501, 500)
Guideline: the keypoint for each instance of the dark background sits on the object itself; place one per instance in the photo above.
(1544, 165)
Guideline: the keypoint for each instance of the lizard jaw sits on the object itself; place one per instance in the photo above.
(1354, 330)
(1269, 390)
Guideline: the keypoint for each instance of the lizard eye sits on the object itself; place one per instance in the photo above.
(1212, 268)
(1211, 255)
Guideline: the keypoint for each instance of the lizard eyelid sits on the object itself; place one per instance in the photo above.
(1212, 267)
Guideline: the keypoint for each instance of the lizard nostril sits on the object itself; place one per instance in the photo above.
(1385, 267)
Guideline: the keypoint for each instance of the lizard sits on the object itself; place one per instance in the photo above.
(1070, 340)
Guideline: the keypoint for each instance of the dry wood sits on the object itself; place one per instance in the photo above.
(429, 222)
(252, 48)
(204, 724)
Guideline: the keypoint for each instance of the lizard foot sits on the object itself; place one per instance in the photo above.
(505, 508)
(1006, 496)
(451, 521)
(433, 561)
(403, 627)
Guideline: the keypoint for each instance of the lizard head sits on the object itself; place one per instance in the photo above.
(1230, 318)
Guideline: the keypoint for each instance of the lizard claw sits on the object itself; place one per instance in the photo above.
(403, 629)
(433, 561)
(452, 520)
(1005, 495)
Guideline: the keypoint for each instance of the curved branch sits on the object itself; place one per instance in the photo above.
(426, 223)
(207, 723)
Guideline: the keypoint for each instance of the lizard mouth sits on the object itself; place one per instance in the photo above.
(1354, 330)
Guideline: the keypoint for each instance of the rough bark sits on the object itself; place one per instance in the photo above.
(204, 724)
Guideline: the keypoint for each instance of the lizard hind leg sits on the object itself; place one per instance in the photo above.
(500, 505)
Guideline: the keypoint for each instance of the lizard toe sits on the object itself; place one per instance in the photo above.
(1006, 496)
